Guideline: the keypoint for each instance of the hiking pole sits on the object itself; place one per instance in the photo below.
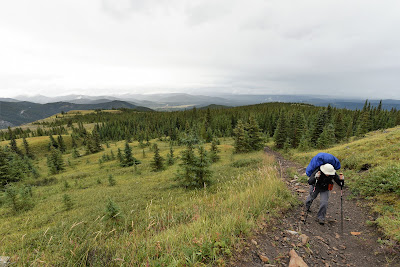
(341, 209)
(315, 185)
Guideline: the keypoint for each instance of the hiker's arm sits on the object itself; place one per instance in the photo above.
(339, 179)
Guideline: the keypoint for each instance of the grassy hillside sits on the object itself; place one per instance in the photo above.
(372, 170)
(18, 113)
(78, 218)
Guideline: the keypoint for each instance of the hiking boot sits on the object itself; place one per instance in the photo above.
(320, 221)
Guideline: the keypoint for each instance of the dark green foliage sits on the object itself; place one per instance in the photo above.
(67, 201)
(158, 162)
(327, 137)
(186, 174)
(75, 153)
(241, 138)
(170, 156)
(340, 127)
(73, 142)
(111, 180)
(53, 142)
(287, 145)
(107, 157)
(195, 170)
(61, 144)
(119, 156)
(364, 124)
(318, 126)
(304, 143)
(4, 167)
(280, 134)
(245, 162)
(19, 198)
(13, 146)
(192, 126)
(201, 169)
(14, 168)
(55, 161)
(92, 142)
(113, 212)
(66, 185)
(214, 157)
(28, 152)
(255, 138)
(128, 159)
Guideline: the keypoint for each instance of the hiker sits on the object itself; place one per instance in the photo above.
(321, 182)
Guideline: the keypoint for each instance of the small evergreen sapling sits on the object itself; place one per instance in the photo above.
(68, 204)
(214, 157)
(170, 156)
(111, 180)
(158, 162)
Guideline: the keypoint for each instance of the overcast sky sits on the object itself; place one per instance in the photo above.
(331, 47)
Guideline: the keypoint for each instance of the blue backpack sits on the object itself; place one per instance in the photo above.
(321, 159)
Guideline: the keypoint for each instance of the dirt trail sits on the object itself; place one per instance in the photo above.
(326, 245)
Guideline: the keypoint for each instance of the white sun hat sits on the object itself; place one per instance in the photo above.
(328, 169)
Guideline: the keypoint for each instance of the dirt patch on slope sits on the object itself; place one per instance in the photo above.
(326, 245)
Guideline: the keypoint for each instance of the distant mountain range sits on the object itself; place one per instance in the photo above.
(22, 109)
(17, 113)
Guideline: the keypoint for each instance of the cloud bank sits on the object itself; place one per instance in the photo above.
(338, 48)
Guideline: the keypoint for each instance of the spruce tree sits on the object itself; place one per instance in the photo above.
(241, 139)
(304, 143)
(364, 124)
(28, 152)
(14, 147)
(158, 162)
(73, 142)
(318, 126)
(327, 137)
(187, 175)
(61, 144)
(170, 156)
(256, 141)
(53, 142)
(128, 159)
(75, 153)
(280, 134)
(4, 168)
(55, 161)
(201, 169)
(214, 157)
(340, 128)
(119, 156)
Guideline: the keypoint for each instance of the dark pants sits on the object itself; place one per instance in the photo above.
(323, 201)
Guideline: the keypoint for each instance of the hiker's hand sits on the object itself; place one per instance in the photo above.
(341, 176)
(318, 174)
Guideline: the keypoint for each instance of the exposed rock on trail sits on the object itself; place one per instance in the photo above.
(317, 245)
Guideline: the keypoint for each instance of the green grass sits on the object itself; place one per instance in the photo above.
(372, 171)
(157, 222)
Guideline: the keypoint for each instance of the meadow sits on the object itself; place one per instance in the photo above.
(98, 213)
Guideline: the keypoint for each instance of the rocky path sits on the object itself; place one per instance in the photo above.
(317, 245)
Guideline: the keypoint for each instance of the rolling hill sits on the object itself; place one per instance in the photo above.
(17, 113)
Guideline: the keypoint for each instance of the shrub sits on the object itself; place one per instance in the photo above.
(68, 204)
(111, 180)
(245, 162)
